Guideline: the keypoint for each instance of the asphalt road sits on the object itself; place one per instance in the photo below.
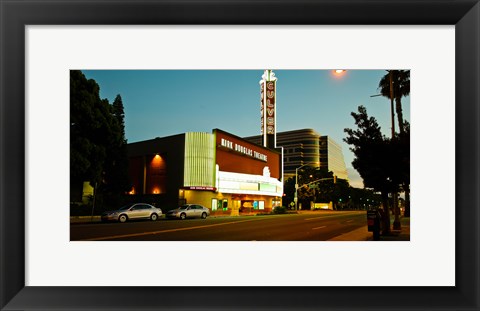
(319, 226)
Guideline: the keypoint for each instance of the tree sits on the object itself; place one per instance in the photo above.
(88, 116)
(316, 185)
(373, 153)
(402, 157)
(97, 140)
(324, 190)
(401, 88)
(364, 199)
(119, 115)
(116, 179)
(289, 190)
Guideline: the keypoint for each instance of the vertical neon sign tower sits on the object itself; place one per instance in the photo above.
(268, 88)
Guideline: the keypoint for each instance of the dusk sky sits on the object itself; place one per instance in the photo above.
(160, 103)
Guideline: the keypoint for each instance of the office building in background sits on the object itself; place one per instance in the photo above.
(305, 146)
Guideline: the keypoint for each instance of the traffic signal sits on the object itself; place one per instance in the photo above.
(334, 179)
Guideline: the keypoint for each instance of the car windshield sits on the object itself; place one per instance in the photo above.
(183, 207)
(124, 207)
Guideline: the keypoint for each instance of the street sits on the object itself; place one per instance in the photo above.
(315, 226)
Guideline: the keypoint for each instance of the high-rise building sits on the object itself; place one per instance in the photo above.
(301, 147)
(331, 157)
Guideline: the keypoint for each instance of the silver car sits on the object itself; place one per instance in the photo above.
(189, 211)
(133, 211)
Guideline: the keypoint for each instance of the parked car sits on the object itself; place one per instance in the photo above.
(189, 211)
(133, 211)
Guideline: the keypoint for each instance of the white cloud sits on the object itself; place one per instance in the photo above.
(354, 178)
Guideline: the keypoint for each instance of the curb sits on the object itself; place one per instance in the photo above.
(84, 219)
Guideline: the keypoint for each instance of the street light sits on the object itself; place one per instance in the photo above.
(338, 73)
(296, 183)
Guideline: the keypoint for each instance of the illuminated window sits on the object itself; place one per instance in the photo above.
(261, 205)
(156, 175)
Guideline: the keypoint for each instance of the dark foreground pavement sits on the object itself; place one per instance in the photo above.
(362, 234)
(355, 233)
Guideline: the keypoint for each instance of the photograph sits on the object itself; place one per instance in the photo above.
(240, 155)
(258, 155)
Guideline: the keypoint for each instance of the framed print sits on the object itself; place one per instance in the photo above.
(184, 34)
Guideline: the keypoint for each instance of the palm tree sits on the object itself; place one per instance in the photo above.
(401, 88)
(394, 85)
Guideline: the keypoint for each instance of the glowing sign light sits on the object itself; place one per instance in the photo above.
(270, 109)
(242, 149)
(267, 107)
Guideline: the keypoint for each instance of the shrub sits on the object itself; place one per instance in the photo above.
(279, 210)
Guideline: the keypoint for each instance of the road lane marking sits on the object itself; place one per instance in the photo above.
(319, 227)
(335, 215)
(165, 231)
(323, 217)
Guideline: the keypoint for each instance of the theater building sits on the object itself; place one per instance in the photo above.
(218, 170)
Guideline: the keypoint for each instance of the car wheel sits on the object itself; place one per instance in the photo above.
(204, 215)
(122, 218)
(154, 217)
(183, 216)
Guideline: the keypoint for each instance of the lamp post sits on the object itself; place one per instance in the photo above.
(296, 183)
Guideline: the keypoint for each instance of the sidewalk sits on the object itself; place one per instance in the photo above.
(399, 235)
(362, 234)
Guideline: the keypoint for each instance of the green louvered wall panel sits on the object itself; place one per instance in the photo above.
(199, 160)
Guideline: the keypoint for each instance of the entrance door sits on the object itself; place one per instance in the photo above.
(235, 208)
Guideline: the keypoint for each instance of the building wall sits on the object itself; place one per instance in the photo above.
(306, 146)
(300, 147)
(199, 160)
(248, 160)
(156, 170)
(231, 204)
(331, 157)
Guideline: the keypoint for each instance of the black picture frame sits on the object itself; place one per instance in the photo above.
(15, 15)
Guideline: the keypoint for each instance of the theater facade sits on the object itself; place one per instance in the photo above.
(218, 170)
